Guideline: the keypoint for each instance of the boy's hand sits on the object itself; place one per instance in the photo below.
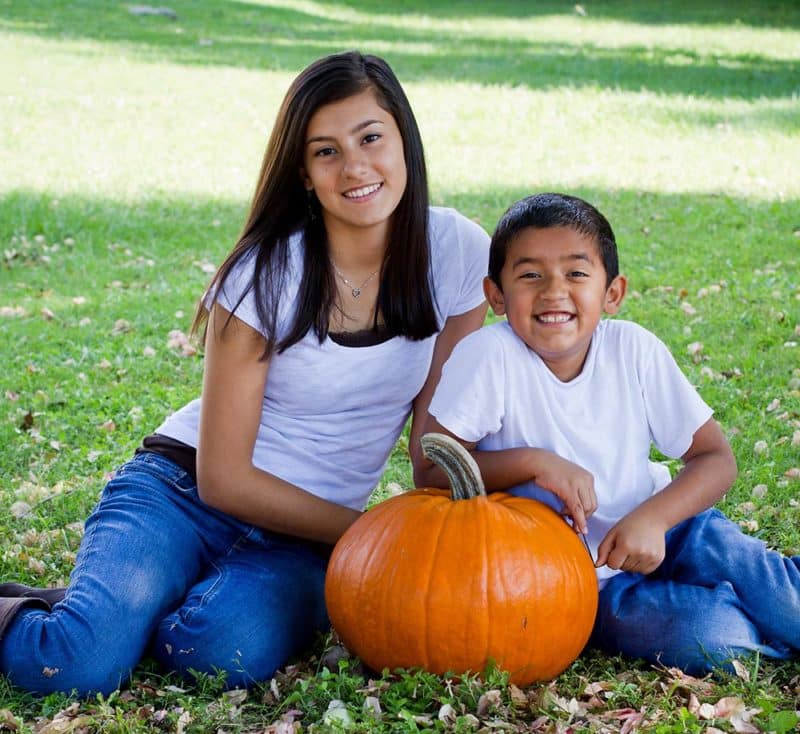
(636, 543)
(572, 484)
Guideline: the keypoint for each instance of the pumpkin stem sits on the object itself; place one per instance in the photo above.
(455, 461)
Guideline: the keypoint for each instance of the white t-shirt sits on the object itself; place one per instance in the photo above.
(630, 394)
(331, 414)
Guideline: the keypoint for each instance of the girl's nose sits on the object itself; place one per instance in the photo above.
(354, 164)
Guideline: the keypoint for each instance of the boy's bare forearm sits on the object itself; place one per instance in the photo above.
(499, 469)
(708, 472)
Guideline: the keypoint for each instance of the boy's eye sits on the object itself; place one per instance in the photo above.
(578, 274)
(530, 275)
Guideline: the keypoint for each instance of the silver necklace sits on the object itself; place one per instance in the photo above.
(354, 290)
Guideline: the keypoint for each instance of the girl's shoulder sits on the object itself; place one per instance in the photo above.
(448, 225)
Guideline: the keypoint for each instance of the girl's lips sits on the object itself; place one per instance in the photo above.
(362, 192)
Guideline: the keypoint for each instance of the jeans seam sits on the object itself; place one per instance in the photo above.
(187, 613)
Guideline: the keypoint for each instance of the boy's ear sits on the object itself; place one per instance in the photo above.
(615, 294)
(495, 296)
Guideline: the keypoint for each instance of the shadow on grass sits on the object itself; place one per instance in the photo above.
(765, 14)
(159, 247)
(253, 36)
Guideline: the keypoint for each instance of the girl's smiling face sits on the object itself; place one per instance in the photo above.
(554, 293)
(354, 162)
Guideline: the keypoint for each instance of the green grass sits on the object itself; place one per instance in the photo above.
(129, 147)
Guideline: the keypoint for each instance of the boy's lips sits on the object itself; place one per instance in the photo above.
(362, 192)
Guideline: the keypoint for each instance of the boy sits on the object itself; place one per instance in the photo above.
(559, 405)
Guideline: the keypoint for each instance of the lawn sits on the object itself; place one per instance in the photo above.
(129, 147)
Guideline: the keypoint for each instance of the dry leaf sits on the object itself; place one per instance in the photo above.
(447, 715)
(741, 671)
(8, 722)
(373, 705)
(490, 699)
(734, 710)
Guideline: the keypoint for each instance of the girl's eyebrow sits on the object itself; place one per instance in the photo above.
(356, 129)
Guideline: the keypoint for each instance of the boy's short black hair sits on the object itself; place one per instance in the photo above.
(542, 211)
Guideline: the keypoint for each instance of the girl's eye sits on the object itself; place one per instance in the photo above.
(322, 152)
(371, 137)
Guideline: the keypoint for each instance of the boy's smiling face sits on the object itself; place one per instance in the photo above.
(554, 293)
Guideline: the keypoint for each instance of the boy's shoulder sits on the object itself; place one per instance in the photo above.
(490, 345)
(623, 334)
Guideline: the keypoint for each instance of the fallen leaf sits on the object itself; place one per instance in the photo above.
(734, 710)
(337, 713)
(741, 671)
(372, 705)
(8, 722)
(447, 715)
(490, 699)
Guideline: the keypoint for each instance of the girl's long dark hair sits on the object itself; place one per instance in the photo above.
(280, 208)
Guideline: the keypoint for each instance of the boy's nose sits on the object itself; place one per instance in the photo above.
(554, 288)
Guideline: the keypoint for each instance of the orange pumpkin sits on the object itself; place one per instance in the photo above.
(451, 581)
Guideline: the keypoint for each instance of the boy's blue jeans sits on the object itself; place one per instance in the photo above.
(718, 595)
(161, 573)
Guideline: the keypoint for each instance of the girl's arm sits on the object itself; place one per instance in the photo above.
(455, 329)
(233, 389)
(636, 542)
(507, 468)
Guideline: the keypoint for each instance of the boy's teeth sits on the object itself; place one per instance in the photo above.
(554, 318)
(358, 193)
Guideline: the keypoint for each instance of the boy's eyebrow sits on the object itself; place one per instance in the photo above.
(357, 128)
(535, 260)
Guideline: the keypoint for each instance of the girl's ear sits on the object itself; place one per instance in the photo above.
(495, 296)
(615, 294)
(306, 180)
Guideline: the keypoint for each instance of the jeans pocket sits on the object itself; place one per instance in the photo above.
(155, 471)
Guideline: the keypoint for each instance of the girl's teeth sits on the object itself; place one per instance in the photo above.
(358, 193)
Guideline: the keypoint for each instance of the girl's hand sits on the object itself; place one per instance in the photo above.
(636, 543)
(571, 483)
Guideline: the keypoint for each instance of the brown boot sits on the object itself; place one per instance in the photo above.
(10, 607)
(16, 591)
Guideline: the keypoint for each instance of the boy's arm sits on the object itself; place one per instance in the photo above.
(636, 542)
(507, 468)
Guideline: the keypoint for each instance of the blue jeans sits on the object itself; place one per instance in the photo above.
(718, 595)
(160, 573)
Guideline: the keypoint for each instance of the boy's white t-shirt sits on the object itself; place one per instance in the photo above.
(332, 414)
(630, 394)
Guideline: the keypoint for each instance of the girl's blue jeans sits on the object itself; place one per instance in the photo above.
(718, 595)
(160, 573)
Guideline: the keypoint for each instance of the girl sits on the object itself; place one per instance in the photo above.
(325, 328)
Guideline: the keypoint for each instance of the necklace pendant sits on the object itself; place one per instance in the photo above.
(356, 292)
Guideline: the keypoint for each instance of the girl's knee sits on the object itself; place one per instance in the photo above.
(245, 651)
